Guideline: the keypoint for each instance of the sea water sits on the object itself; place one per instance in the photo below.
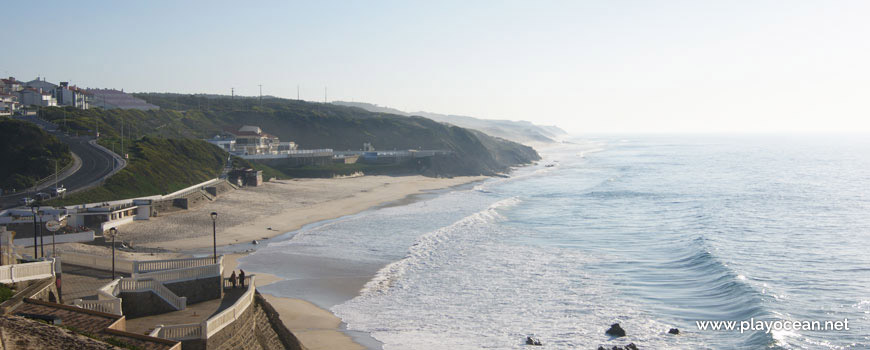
(652, 232)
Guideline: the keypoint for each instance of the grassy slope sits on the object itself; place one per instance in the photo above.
(29, 154)
(156, 166)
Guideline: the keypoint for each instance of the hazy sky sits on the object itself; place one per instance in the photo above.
(584, 65)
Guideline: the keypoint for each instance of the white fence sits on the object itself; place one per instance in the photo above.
(178, 332)
(26, 272)
(147, 284)
(224, 318)
(185, 274)
(98, 262)
(212, 325)
(110, 306)
(171, 264)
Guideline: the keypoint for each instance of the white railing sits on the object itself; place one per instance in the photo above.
(109, 291)
(224, 318)
(97, 262)
(170, 264)
(178, 332)
(141, 285)
(26, 272)
(228, 282)
(184, 274)
(110, 306)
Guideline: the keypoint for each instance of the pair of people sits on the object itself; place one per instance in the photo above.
(241, 278)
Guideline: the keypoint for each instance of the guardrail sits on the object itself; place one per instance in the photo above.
(170, 264)
(212, 325)
(217, 322)
(184, 274)
(110, 306)
(26, 272)
(147, 284)
(178, 332)
(97, 262)
(228, 283)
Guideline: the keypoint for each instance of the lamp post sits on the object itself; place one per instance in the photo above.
(113, 232)
(41, 240)
(214, 233)
(33, 209)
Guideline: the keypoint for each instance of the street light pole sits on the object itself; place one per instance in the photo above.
(113, 232)
(41, 240)
(33, 209)
(214, 233)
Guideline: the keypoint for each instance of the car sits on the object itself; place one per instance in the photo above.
(59, 190)
(42, 196)
(25, 201)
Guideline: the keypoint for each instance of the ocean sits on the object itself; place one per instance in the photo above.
(652, 232)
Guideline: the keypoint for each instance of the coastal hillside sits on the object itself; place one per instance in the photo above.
(517, 131)
(156, 166)
(310, 125)
(29, 153)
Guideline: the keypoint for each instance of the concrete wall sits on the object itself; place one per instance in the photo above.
(87, 236)
(139, 304)
(198, 290)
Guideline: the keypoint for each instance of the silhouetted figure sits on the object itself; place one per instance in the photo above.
(233, 278)
(242, 278)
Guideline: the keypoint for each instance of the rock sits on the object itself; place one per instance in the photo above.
(631, 346)
(255, 242)
(533, 341)
(615, 331)
(601, 348)
(674, 331)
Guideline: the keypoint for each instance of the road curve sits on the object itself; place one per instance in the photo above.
(96, 164)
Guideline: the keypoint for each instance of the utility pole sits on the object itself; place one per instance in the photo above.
(297, 91)
(232, 93)
(324, 94)
(261, 94)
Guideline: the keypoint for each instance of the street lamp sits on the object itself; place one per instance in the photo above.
(112, 233)
(33, 209)
(214, 233)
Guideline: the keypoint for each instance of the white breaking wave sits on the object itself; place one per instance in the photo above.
(430, 242)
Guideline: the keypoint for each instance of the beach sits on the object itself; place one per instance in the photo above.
(275, 208)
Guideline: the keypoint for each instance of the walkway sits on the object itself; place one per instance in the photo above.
(195, 313)
(82, 282)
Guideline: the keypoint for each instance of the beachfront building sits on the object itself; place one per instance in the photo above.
(117, 99)
(35, 97)
(8, 103)
(67, 95)
(10, 85)
(251, 140)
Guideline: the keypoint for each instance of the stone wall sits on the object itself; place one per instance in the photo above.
(139, 304)
(198, 290)
(259, 328)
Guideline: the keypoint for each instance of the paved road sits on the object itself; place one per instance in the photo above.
(95, 164)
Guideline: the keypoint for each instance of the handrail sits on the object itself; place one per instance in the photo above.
(183, 274)
(170, 264)
(27, 271)
(217, 322)
(111, 306)
(147, 284)
(178, 332)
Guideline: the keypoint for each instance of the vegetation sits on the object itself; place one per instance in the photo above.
(5, 293)
(310, 125)
(29, 154)
(156, 166)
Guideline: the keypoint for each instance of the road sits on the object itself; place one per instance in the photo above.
(96, 163)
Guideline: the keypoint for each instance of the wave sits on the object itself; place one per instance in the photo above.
(431, 242)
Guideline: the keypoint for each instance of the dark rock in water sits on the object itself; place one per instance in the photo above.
(615, 331)
(601, 348)
(532, 341)
(631, 346)
(674, 331)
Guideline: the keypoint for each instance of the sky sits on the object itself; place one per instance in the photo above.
(586, 66)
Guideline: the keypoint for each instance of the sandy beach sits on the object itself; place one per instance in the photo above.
(277, 207)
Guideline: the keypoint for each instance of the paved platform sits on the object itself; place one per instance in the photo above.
(82, 282)
(195, 313)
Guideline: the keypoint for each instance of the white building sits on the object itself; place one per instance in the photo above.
(45, 86)
(33, 97)
(72, 96)
(251, 140)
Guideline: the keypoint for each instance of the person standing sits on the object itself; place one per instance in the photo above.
(242, 278)
(233, 278)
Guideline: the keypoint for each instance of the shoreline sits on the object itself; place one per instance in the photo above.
(283, 207)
